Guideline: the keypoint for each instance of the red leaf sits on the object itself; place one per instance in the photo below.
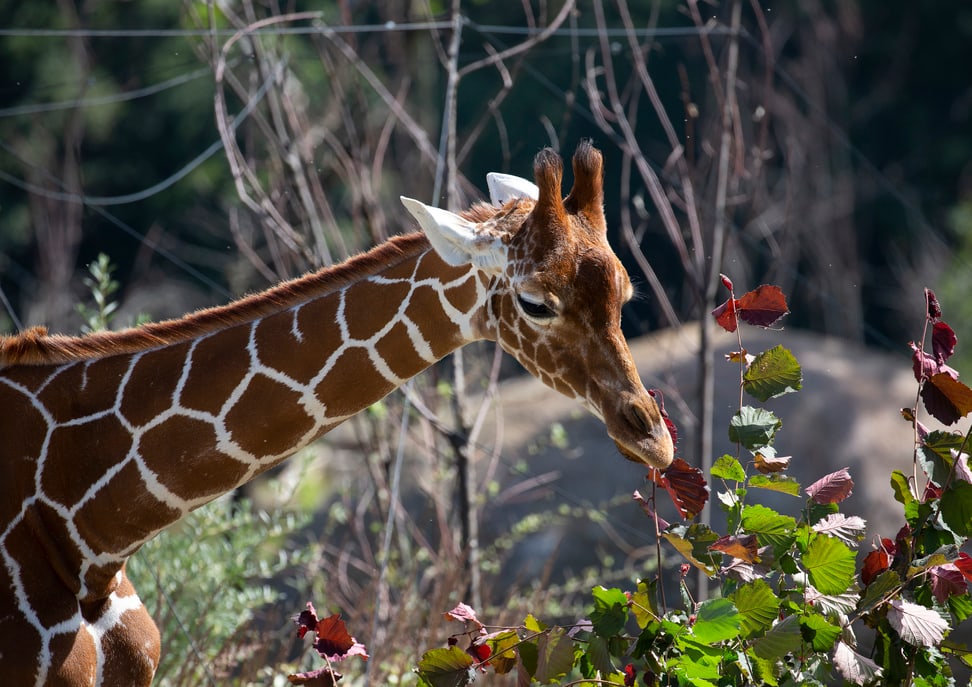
(306, 621)
(964, 564)
(649, 511)
(743, 548)
(943, 341)
(725, 315)
(934, 309)
(334, 642)
(768, 464)
(947, 580)
(464, 614)
(480, 652)
(946, 399)
(832, 488)
(684, 484)
(877, 562)
(322, 677)
(660, 400)
(762, 306)
(727, 282)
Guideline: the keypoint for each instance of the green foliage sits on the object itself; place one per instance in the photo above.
(102, 286)
(791, 589)
(204, 579)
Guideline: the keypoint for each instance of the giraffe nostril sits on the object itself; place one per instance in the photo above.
(638, 417)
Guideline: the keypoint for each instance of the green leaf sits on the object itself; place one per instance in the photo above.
(532, 624)
(781, 483)
(957, 508)
(880, 587)
(728, 468)
(783, 638)
(716, 620)
(830, 564)
(693, 542)
(773, 373)
(820, 633)
(598, 655)
(758, 607)
(699, 659)
(753, 427)
(450, 667)
(901, 488)
(610, 611)
(936, 454)
(770, 528)
(555, 656)
(643, 604)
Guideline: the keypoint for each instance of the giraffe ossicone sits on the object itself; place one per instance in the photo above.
(109, 438)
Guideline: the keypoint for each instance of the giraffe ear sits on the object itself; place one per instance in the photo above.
(457, 240)
(504, 187)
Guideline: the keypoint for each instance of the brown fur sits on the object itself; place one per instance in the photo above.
(587, 195)
(35, 346)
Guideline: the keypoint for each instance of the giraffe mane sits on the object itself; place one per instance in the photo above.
(34, 346)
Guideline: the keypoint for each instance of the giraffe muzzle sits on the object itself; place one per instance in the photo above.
(640, 433)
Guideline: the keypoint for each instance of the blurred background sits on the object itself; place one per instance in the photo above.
(212, 149)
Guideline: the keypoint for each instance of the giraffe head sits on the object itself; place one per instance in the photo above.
(555, 292)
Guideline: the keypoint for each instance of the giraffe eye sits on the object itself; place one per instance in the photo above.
(537, 310)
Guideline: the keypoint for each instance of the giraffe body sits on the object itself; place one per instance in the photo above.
(110, 438)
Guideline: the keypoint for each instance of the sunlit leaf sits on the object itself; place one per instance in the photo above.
(781, 483)
(725, 315)
(692, 542)
(763, 306)
(610, 611)
(853, 667)
(451, 667)
(767, 462)
(643, 604)
(716, 621)
(849, 529)
(819, 632)
(744, 547)
(758, 607)
(774, 372)
(502, 646)
(946, 399)
(464, 614)
(830, 564)
(728, 468)
(832, 488)
(916, 624)
(771, 528)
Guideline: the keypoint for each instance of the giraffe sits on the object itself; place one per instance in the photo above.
(109, 438)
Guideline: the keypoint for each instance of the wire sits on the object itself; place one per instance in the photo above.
(185, 170)
(106, 99)
(387, 27)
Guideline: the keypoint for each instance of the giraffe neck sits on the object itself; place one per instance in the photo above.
(130, 443)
